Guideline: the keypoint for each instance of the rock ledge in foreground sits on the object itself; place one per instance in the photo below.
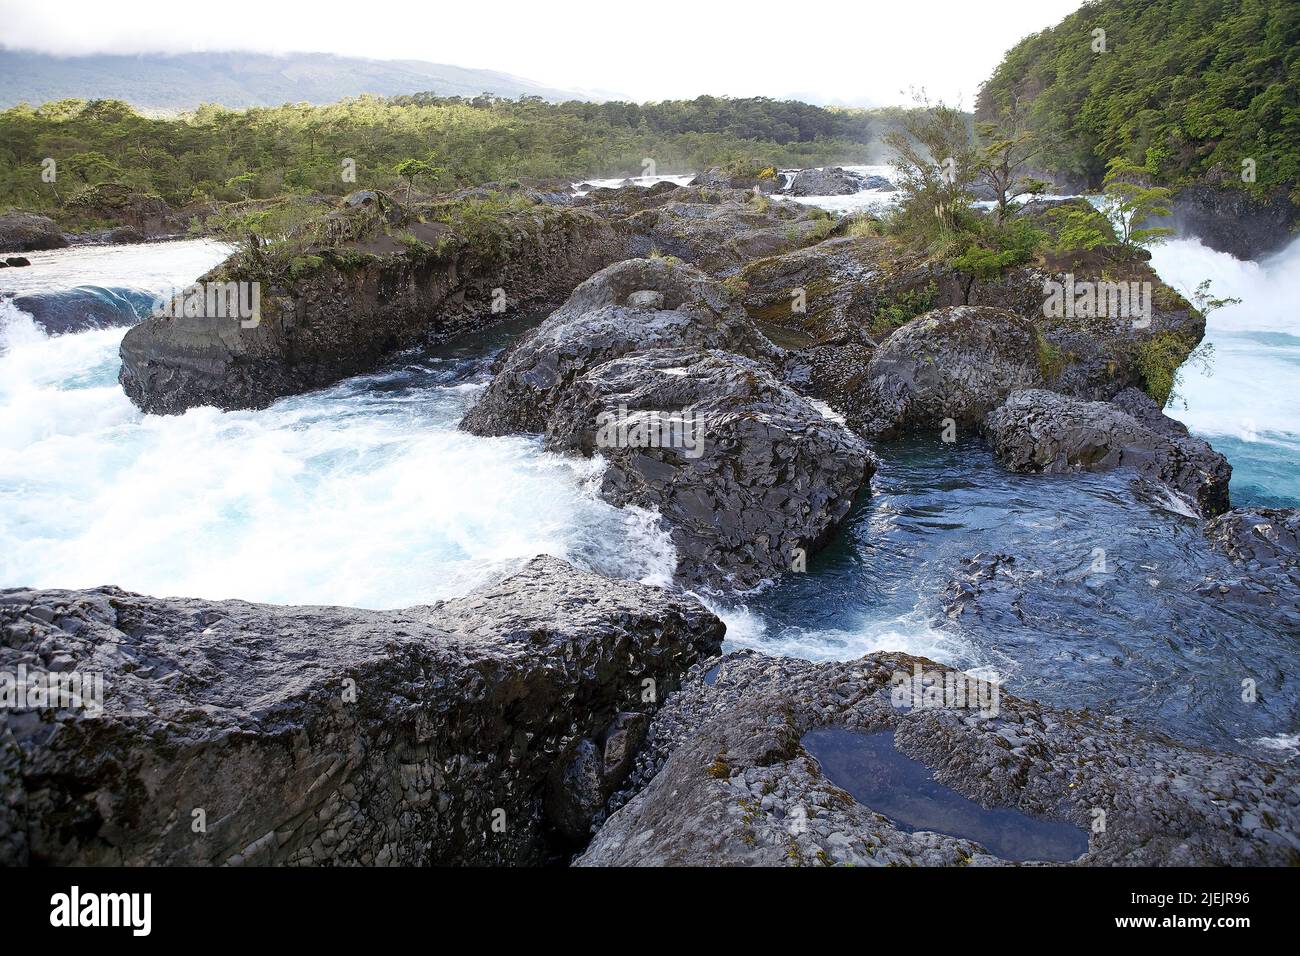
(481, 710)
(724, 779)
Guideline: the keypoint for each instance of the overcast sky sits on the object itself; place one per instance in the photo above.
(828, 50)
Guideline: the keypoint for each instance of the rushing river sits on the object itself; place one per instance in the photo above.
(366, 494)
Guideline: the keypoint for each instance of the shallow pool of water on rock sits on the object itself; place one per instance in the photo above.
(871, 769)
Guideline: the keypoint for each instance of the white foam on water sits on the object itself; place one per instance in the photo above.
(355, 496)
(908, 633)
(1287, 745)
(1250, 390)
(644, 181)
(866, 200)
(152, 266)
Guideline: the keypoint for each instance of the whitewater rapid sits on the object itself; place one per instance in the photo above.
(1247, 402)
(366, 494)
(363, 494)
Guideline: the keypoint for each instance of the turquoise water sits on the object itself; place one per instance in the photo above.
(1247, 404)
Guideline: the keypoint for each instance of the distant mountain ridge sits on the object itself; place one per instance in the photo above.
(170, 82)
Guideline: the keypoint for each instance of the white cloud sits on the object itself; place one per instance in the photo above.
(831, 50)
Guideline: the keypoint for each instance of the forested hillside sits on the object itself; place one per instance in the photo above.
(221, 154)
(1188, 88)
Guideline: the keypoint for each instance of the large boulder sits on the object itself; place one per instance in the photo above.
(858, 286)
(147, 215)
(359, 296)
(957, 363)
(748, 477)
(729, 777)
(832, 303)
(716, 229)
(1259, 537)
(830, 181)
(603, 319)
(28, 232)
(1097, 356)
(483, 730)
(1042, 432)
(740, 175)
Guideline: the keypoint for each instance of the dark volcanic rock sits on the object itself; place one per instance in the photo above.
(832, 301)
(1096, 357)
(751, 473)
(956, 363)
(1264, 547)
(28, 232)
(1231, 220)
(879, 183)
(831, 181)
(853, 285)
(725, 780)
(988, 585)
(312, 735)
(1041, 431)
(599, 322)
(1261, 537)
(830, 304)
(364, 289)
(362, 300)
(739, 176)
(716, 229)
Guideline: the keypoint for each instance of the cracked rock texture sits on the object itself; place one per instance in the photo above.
(1040, 431)
(724, 779)
(757, 473)
(1263, 545)
(602, 321)
(955, 363)
(483, 730)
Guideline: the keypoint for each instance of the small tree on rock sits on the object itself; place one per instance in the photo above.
(1131, 200)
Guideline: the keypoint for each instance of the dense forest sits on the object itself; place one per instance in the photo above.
(1189, 89)
(216, 153)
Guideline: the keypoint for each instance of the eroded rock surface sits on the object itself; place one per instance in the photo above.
(603, 320)
(957, 363)
(1040, 431)
(483, 730)
(725, 780)
(717, 229)
(1263, 545)
(748, 476)
(830, 181)
(739, 176)
(361, 299)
